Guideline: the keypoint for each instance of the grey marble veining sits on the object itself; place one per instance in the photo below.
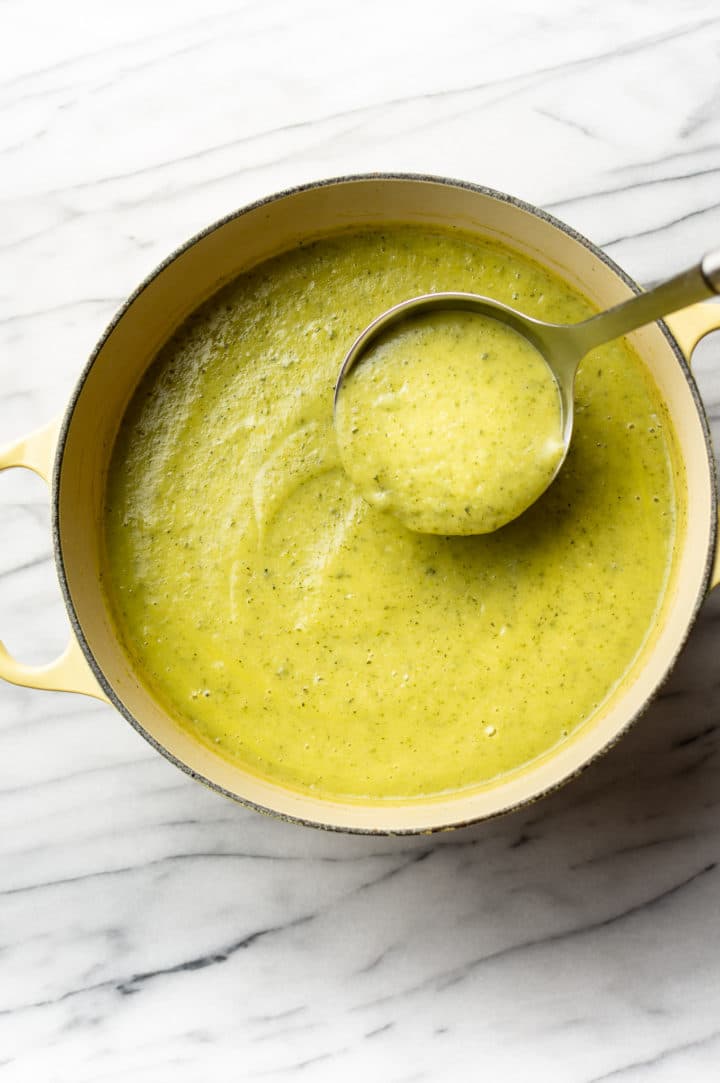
(150, 930)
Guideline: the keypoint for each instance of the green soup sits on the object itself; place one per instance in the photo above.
(452, 422)
(314, 639)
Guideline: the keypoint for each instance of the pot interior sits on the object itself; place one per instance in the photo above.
(194, 274)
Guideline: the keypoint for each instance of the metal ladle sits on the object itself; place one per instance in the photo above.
(562, 346)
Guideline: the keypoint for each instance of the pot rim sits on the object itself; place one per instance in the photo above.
(66, 422)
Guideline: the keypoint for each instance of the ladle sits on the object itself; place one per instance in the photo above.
(562, 346)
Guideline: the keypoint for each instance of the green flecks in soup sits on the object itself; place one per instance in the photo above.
(451, 421)
(317, 641)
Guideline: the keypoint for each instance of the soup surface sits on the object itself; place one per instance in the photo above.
(452, 422)
(313, 638)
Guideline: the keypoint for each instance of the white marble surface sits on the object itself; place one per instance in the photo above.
(150, 930)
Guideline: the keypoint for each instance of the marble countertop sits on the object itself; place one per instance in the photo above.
(149, 929)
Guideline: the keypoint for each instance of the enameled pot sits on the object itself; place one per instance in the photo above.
(72, 454)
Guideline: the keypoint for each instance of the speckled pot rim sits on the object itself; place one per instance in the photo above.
(106, 686)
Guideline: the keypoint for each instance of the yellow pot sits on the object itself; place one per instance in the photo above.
(73, 454)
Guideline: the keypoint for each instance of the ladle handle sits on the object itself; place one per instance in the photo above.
(695, 284)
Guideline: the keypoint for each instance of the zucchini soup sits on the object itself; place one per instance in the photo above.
(311, 637)
(452, 421)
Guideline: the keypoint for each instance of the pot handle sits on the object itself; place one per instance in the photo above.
(70, 672)
(691, 324)
(688, 327)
